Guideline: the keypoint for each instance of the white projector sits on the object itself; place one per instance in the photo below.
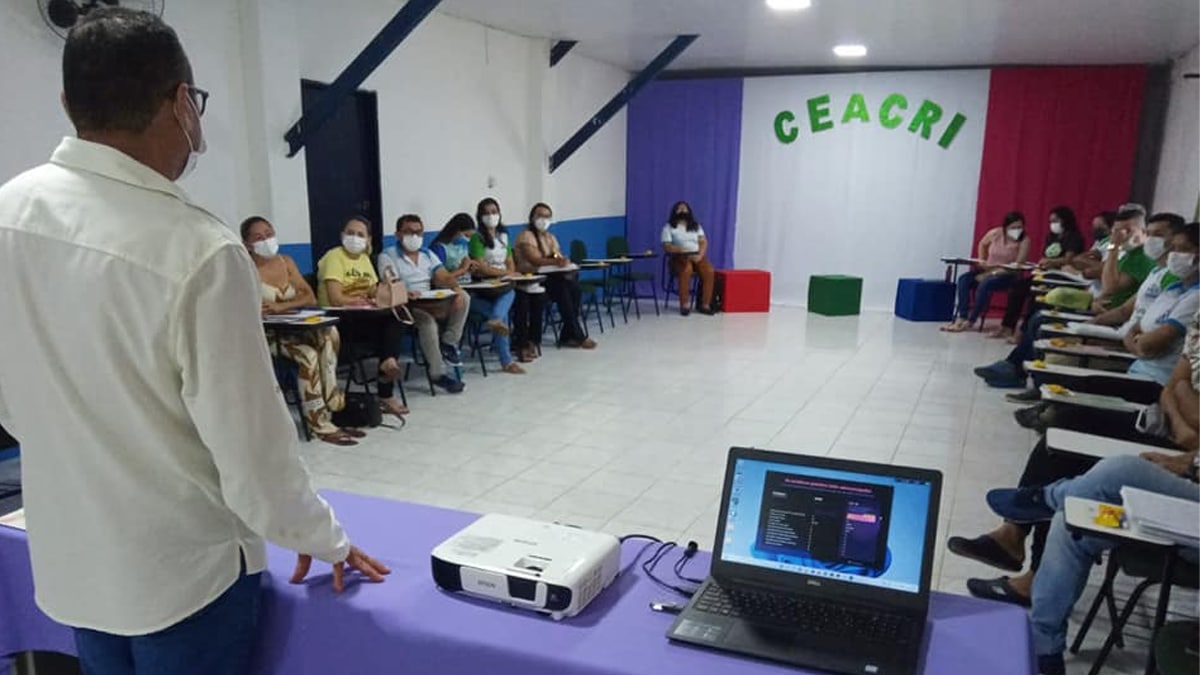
(547, 567)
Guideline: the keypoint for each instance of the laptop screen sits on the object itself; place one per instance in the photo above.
(856, 527)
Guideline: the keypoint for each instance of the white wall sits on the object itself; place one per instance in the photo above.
(461, 106)
(1178, 186)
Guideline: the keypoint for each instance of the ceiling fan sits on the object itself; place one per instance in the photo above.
(61, 15)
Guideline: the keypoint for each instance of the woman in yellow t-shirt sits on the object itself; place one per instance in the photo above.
(346, 278)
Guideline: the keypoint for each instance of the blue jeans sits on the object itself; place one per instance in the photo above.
(983, 296)
(217, 640)
(1067, 560)
(1024, 350)
(497, 308)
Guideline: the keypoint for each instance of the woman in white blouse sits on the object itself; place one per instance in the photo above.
(683, 240)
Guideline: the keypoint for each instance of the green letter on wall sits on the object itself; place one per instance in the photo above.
(856, 108)
(952, 131)
(886, 118)
(785, 117)
(818, 113)
(927, 116)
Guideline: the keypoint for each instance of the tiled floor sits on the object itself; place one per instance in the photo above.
(632, 437)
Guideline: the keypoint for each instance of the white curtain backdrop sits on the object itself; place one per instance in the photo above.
(858, 198)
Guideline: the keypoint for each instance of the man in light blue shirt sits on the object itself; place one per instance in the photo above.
(421, 272)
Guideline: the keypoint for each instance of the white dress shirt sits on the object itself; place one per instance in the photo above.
(156, 449)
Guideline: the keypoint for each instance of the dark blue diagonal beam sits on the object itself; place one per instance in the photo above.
(622, 98)
(560, 49)
(376, 52)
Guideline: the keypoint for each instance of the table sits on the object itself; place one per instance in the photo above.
(1100, 447)
(1084, 399)
(407, 625)
(1075, 371)
(1082, 351)
(1069, 316)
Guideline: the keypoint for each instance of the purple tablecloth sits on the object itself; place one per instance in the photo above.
(408, 626)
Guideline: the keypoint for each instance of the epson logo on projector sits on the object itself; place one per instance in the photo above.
(485, 584)
(890, 114)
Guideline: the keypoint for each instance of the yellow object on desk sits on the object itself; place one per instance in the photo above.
(1039, 364)
(1108, 515)
(1058, 389)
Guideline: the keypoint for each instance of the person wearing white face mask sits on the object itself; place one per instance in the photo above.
(314, 352)
(1063, 244)
(999, 246)
(491, 250)
(346, 278)
(1157, 337)
(537, 248)
(421, 271)
(157, 458)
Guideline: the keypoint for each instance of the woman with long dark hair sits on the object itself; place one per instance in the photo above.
(536, 248)
(1064, 242)
(1008, 243)
(451, 246)
(684, 241)
(493, 257)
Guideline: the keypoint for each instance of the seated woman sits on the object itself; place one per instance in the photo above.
(451, 247)
(492, 258)
(1000, 246)
(346, 278)
(684, 241)
(535, 248)
(314, 352)
(456, 245)
(1062, 246)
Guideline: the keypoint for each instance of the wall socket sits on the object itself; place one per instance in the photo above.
(491, 182)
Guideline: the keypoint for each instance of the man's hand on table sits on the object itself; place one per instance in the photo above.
(357, 560)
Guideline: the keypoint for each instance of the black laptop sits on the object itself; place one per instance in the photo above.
(819, 562)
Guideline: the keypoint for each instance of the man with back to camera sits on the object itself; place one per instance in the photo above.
(157, 450)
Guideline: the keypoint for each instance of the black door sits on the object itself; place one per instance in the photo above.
(342, 161)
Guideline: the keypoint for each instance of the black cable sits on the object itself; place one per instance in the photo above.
(627, 537)
(688, 554)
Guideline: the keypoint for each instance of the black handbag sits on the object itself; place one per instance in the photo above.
(718, 298)
(361, 410)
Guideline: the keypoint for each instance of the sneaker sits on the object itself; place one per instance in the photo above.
(1032, 418)
(1022, 506)
(1027, 396)
(1006, 382)
(451, 355)
(450, 384)
(997, 370)
(1051, 664)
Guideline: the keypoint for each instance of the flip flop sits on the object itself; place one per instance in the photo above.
(984, 549)
(999, 590)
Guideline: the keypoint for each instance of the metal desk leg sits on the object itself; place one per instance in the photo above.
(1160, 612)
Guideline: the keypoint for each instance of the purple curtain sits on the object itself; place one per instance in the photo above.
(684, 142)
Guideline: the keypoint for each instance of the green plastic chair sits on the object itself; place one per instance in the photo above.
(590, 288)
(618, 247)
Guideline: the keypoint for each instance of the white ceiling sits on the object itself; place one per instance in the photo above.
(745, 34)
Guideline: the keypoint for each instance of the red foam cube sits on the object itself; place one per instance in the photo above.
(745, 290)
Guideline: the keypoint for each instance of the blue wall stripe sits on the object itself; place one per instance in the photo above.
(593, 232)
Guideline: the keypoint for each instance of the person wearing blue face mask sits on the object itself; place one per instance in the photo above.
(451, 247)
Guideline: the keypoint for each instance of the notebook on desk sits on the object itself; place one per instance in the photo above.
(819, 562)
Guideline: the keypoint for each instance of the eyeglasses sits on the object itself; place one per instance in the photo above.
(200, 97)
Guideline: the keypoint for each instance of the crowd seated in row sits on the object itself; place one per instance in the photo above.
(1149, 293)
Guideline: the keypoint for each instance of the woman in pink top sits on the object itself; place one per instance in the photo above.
(1000, 246)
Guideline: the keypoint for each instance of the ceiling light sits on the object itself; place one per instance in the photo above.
(788, 5)
(850, 51)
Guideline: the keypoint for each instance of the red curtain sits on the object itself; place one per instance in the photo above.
(1058, 136)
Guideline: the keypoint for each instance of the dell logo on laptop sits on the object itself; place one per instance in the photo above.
(871, 668)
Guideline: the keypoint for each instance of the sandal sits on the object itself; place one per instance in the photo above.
(391, 406)
(999, 590)
(339, 437)
(999, 333)
(513, 369)
(986, 550)
(354, 433)
(588, 343)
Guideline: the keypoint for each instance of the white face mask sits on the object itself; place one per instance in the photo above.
(491, 220)
(194, 151)
(412, 242)
(1154, 247)
(1182, 265)
(1056, 227)
(354, 243)
(267, 248)
(1014, 233)
(542, 224)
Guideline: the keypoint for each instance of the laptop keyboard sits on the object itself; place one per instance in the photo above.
(804, 614)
